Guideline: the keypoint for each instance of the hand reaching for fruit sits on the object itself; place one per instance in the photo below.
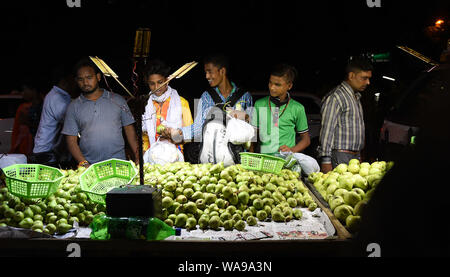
(175, 135)
(285, 148)
(160, 129)
(240, 115)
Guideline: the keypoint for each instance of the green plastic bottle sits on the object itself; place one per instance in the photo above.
(159, 230)
(105, 227)
(99, 226)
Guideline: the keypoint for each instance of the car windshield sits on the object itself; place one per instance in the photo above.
(418, 97)
(310, 105)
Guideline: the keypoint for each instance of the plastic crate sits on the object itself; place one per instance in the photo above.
(101, 177)
(261, 162)
(32, 180)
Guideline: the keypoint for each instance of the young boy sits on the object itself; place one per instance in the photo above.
(216, 72)
(165, 105)
(278, 117)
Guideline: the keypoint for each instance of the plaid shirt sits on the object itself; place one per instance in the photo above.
(205, 103)
(342, 122)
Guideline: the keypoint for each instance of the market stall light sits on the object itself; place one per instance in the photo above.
(377, 97)
(439, 23)
(389, 78)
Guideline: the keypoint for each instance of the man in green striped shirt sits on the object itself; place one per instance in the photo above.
(278, 117)
(342, 130)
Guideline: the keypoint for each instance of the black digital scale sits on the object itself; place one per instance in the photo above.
(134, 201)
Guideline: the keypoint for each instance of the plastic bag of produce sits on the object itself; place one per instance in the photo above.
(216, 146)
(239, 131)
(307, 163)
(10, 159)
(162, 152)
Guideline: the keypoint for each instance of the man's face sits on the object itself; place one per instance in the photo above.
(278, 86)
(155, 81)
(214, 74)
(359, 80)
(87, 80)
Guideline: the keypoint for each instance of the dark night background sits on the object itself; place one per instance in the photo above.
(315, 36)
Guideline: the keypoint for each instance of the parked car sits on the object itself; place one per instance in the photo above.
(311, 103)
(405, 116)
(9, 104)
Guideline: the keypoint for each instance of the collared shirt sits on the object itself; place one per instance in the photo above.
(99, 124)
(52, 120)
(278, 125)
(342, 122)
(204, 105)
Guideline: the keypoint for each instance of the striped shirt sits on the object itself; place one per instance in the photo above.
(205, 103)
(342, 122)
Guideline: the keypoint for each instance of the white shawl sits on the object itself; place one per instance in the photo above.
(174, 113)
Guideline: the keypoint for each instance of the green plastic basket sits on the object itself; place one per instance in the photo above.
(32, 180)
(261, 162)
(101, 177)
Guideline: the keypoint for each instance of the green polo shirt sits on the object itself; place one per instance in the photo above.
(291, 120)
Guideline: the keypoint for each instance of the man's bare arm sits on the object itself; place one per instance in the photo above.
(74, 148)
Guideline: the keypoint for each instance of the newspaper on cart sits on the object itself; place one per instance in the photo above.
(313, 225)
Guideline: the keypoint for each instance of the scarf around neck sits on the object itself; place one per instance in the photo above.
(277, 101)
(174, 113)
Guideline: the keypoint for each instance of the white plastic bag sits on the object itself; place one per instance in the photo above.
(162, 152)
(10, 159)
(215, 148)
(307, 163)
(239, 131)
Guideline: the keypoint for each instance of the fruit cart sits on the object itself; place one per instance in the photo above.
(27, 242)
(346, 190)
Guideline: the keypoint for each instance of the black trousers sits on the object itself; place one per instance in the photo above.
(338, 157)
